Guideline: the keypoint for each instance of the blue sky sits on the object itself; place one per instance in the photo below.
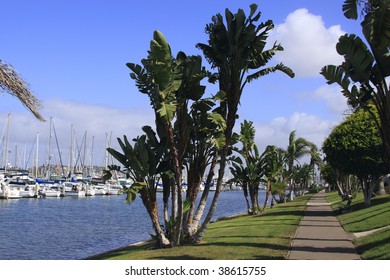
(73, 55)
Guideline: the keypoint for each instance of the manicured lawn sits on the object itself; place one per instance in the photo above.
(360, 219)
(266, 236)
(375, 246)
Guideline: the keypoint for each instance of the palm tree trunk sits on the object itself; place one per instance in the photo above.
(267, 195)
(166, 182)
(192, 194)
(152, 209)
(178, 180)
(199, 234)
(245, 189)
(203, 201)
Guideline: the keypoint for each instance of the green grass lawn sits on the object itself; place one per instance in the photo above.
(265, 236)
(360, 219)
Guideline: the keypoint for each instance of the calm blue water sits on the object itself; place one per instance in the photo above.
(75, 228)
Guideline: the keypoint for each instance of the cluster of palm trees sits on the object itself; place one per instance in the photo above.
(279, 169)
(193, 134)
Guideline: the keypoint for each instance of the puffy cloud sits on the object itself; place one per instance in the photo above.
(335, 101)
(308, 43)
(277, 132)
(100, 123)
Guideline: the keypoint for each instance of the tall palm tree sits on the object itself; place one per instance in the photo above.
(12, 83)
(236, 49)
(273, 167)
(296, 149)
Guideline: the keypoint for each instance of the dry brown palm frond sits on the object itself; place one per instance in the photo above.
(12, 83)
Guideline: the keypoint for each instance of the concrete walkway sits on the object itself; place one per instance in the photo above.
(320, 235)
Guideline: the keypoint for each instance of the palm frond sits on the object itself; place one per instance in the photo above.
(12, 83)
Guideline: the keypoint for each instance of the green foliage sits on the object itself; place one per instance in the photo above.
(350, 9)
(355, 146)
(362, 75)
(358, 59)
(146, 158)
(279, 188)
(131, 193)
(241, 44)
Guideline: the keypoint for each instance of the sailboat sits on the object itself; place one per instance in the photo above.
(7, 192)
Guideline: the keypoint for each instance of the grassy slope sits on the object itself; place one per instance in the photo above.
(373, 246)
(266, 236)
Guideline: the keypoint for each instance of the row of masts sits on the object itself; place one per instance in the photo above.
(77, 153)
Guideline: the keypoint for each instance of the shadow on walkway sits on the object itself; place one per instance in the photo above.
(320, 235)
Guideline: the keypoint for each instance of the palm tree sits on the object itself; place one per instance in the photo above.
(236, 49)
(12, 83)
(253, 171)
(296, 149)
(363, 76)
(193, 130)
(144, 162)
(273, 160)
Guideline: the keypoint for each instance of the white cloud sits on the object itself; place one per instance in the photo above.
(308, 44)
(277, 132)
(97, 121)
(335, 101)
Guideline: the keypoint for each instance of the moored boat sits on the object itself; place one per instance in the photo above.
(74, 189)
(7, 191)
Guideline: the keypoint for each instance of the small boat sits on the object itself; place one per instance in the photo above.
(90, 190)
(100, 189)
(50, 191)
(74, 189)
(114, 188)
(28, 192)
(7, 191)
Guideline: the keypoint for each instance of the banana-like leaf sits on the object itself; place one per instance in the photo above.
(143, 155)
(376, 26)
(220, 96)
(118, 156)
(336, 74)
(358, 59)
(151, 135)
(253, 8)
(264, 57)
(218, 120)
(350, 9)
(218, 140)
(133, 191)
(167, 111)
(279, 67)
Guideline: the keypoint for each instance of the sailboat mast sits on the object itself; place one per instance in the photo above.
(36, 157)
(6, 143)
(71, 151)
(49, 160)
(93, 143)
(85, 171)
(106, 153)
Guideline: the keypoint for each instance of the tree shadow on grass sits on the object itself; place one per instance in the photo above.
(281, 213)
(375, 201)
(375, 244)
(179, 257)
(150, 245)
(247, 244)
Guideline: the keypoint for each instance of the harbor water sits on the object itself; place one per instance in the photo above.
(74, 228)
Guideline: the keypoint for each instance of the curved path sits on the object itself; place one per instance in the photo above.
(320, 235)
